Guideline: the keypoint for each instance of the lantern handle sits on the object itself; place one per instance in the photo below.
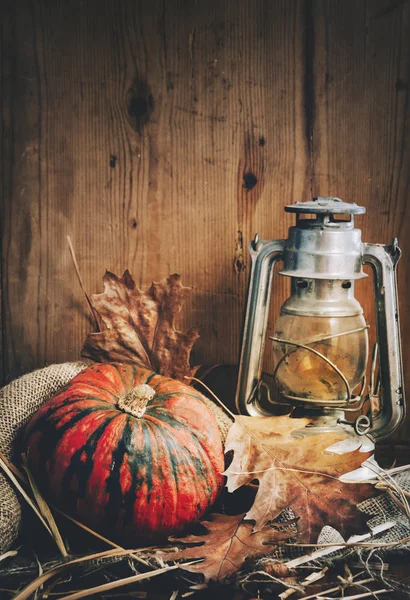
(383, 260)
(264, 255)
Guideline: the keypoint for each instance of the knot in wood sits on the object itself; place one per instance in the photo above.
(135, 402)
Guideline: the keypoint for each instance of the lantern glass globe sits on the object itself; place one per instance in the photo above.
(305, 374)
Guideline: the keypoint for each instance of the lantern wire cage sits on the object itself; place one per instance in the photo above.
(351, 402)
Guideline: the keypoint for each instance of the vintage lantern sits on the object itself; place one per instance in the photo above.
(320, 342)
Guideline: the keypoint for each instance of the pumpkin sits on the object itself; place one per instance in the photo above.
(132, 454)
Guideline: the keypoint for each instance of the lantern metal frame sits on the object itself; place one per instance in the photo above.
(325, 248)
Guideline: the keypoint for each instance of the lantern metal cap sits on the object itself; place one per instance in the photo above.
(325, 205)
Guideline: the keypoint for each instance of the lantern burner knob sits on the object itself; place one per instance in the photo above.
(325, 205)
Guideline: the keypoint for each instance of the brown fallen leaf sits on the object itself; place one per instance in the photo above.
(227, 544)
(139, 326)
(296, 473)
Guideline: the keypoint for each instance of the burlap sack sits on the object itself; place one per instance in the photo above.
(18, 402)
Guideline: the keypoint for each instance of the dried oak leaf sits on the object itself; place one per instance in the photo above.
(296, 473)
(139, 326)
(227, 544)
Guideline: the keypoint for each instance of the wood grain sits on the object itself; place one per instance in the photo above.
(360, 130)
(162, 135)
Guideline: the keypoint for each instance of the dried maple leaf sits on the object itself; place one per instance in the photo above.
(139, 326)
(296, 473)
(227, 544)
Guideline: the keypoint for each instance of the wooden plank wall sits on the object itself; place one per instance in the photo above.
(161, 135)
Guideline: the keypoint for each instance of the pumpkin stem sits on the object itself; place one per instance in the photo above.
(135, 402)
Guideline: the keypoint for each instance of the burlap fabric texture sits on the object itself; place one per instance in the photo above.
(18, 402)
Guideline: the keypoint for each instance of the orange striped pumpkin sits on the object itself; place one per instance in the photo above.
(132, 454)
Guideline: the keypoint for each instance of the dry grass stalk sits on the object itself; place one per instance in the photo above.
(99, 536)
(396, 493)
(325, 549)
(44, 509)
(15, 470)
(312, 578)
(110, 542)
(22, 491)
(383, 487)
(87, 529)
(31, 587)
(8, 554)
(128, 594)
(221, 404)
(340, 588)
(339, 545)
(80, 280)
(363, 595)
(40, 572)
(99, 589)
(394, 499)
(49, 589)
(396, 470)
(391, 485)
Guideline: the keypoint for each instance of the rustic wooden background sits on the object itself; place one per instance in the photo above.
(162, 134)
